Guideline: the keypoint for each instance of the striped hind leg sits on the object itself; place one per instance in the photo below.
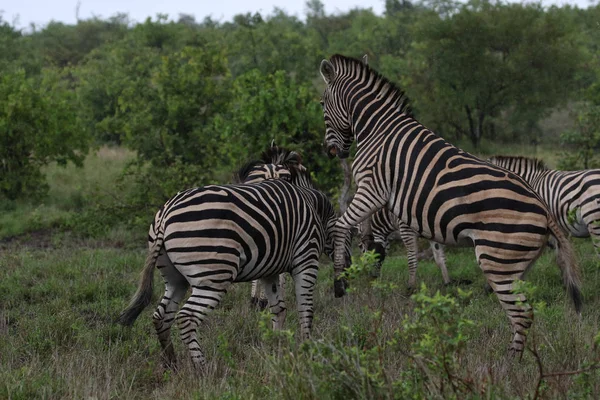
(259, 296)
(594, 230)
(175, 289)
(409, 238)
(439, 255)
(305, 277)
(273, 288)
(501, 276)
(209, 284)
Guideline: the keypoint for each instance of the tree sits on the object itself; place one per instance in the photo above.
(489, 60)
(37, 126)
(268, 107)
(584, 141)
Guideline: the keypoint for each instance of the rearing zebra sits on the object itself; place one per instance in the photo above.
(374, 234)
(212, 236)
(572, 196)
(441, 192)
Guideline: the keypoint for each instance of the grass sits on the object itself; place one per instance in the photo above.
(59, 295)
(59, 340)
(71, 190)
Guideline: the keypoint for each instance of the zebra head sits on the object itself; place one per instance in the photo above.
(336, 109)
(257, 171)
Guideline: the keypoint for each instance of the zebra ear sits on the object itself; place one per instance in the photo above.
(327, 71)
(365, 59)
(273, 143)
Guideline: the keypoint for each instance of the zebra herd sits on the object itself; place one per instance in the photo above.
(274, 221)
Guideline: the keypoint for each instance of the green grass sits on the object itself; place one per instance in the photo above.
(58, 339)
(71, 190)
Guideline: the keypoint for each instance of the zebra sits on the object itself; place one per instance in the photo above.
(212, 236)
(288, 161)
(572, 196)
(374, 234)
(441, 192)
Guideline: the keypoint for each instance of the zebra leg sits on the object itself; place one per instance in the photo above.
(305, 277)
(258, 296)
(501, 278)
(175, 289)
(440, 259)
(272, 286)
(363, 205)
(409, 238)
(207, 292)
(594, 230)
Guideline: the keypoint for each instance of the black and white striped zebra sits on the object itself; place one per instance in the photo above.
(287, 162)
(572, 196)
(441, 192)
(207, 238)
(375, 234)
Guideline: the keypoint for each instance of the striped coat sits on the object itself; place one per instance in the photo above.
(207, 238)
(572, 196)
(441, 192)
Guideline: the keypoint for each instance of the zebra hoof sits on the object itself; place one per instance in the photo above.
(488, 289)
(263, 304)
(339, 287)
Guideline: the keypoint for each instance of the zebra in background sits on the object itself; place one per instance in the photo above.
(572, 196)
(207, 238)
(441, 192)
(374, 234)
(287, 161)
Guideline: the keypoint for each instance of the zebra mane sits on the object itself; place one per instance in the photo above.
(535, 163)
(291, 160)
(343, 63)
(241, 174)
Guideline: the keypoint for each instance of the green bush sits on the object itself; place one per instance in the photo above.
(37, 126)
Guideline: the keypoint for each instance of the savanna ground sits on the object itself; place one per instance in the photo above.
(59, 295)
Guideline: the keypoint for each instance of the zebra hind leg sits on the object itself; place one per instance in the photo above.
(305, 277)
(175, 289)
(409, 238)
(207, 293)
(501, 278)
(594, 230)
(439, 255)
(274, 289)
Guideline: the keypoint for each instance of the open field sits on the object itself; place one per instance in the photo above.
(58, 339)
(59, 295)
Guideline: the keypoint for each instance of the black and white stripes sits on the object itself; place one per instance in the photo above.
(207, 238)
(572, 196)
(441, 192)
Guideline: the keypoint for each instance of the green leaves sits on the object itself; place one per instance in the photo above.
(37, 126)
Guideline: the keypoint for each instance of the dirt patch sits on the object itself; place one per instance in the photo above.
(39, 239)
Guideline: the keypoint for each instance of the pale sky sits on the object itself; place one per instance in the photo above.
(40, 12)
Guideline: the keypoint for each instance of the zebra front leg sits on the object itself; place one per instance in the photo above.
(175, 289)
(409, 238)
(273, 287)
(305, 277)
(501, 279)
(206, 295)
(439, 255)
(363, 205)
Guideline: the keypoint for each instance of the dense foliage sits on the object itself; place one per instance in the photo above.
(195, 99)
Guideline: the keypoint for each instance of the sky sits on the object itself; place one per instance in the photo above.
(24, 12)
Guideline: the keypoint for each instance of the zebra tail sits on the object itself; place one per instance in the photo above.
(143, 295)
(565, 257)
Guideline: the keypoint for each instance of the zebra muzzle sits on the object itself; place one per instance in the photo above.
(332, 151)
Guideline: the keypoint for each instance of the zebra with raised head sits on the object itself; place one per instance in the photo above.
(374, 234)
(441, 192)
(207, 238)
(572, 196)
